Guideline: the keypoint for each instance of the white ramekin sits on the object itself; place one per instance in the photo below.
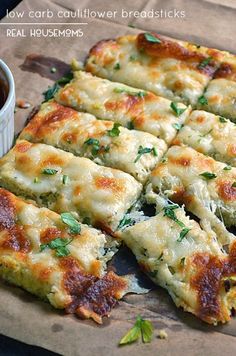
(7, 113)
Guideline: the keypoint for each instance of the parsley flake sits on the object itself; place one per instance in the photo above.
(227, 168)
(49, 171)
(117, 66)
(150, 38)
(234, 185)
(140, 94)
(177, 111)
(133, 58)
(65, 179)
(183, 233)
(202, 100)
(208, 175)
(115, 131)
(59, 245)
(204, 63)
(142, 328)
(177, 126)
(143, 150)
(95, 145)
(69, 220)
(50, 92)
(222, 119)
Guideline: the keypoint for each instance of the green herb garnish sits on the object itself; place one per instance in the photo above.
(177, 126)
(130, 125)
(140, 94)
(204, 63)
(133, 58)
(50, 92)
(208, 175)
(117, 66)
(183, 233)
(59, 245)
(234, 185)
(142, 328)
(143, 150)
(202, 100)
(170, 213)
(227, 168)
(66, 78)
(36, 180)
(125, 222)
(95, 145)
(115, 131)
(65, 179)
(177, 111)
(69, 220)
(150, 38)
(222, 119)
(49, 171)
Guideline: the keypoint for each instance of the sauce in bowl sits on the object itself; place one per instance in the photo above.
(4, 89)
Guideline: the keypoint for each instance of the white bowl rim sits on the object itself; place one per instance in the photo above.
(11, 84)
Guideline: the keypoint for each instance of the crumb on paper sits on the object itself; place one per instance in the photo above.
(22, 104)
(163, 334)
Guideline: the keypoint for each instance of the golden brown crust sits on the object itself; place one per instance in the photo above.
(208, 282)
(172, 49)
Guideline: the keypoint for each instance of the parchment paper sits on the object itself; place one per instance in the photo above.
(23, 317)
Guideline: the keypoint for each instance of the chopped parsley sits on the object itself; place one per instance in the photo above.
(222, 119)
(177, 126)
(117, 66)
(141, 329)
(95, 145)
(177, 111)
(143, 150)
(182, 261)
(125, 222)
(170, 213)
(69, 220)
(150, 38)
(115, 131)
(140, 94)
(227, 168)
(204, 63)
(234, 185)
(66, 78)
(49, 171)
(133, 58)
(65, 179)
(130, 125)
(202, 100)
(208, 175)
(183, 233)
(36, 180)
(50, 92)
(59, 245)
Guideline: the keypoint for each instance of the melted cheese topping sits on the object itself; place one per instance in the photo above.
(68, 129)
(209, 134)
(63, 281)
(191, 270)
(123, 104)
(221, 94)
(170, 68)
(99, 193)
(180, 179)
